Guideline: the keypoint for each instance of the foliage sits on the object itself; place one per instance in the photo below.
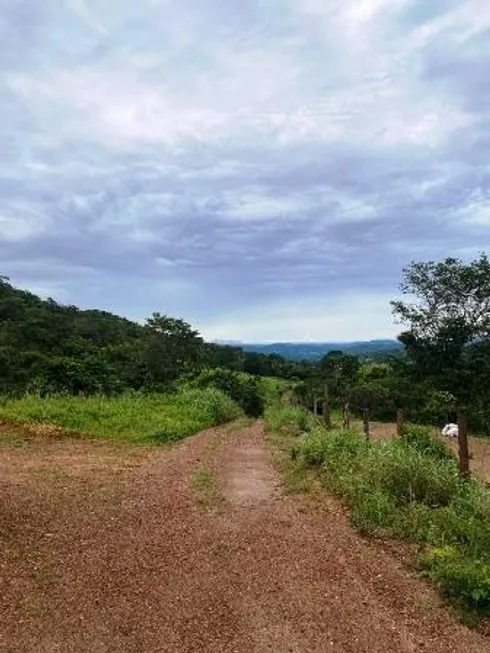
(287, 418)
(242, 388)
(132, 417)
(451, 311)
(273, 389)
(171, 350)
(48, 348)
(340, 371)
(419, 438)
(453, 300)
(283, 425)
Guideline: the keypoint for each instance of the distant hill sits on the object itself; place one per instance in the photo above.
(314, 351)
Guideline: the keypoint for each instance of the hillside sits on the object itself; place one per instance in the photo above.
(46, 348)
(314, 351)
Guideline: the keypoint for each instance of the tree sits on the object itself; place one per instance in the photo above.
(173, 349)
(452, 299)
(340, 371)
(448, 313)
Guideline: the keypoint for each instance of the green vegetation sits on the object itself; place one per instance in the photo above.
(273, 389)
(131, 417)
(47, 348)
(241, 387)
(50, 350)
(283, 424)
(407, 489)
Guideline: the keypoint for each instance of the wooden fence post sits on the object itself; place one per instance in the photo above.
(400, 422)
(315, 405)
(365, 420)
(346, 416)
(327, 414)
(464, 456)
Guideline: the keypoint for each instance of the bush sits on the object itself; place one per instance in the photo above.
(294, 419)
(242, 388)
(335, 449)
(373, 510)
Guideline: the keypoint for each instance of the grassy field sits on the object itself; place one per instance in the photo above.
(406, 489)
(133, 417)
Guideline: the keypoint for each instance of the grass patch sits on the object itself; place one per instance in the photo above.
(204, 486)
(283, 424)
(135, 418)
(272, 389)
(409, 489)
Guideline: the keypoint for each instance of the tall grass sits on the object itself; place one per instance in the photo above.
(286, 418)
(411, 489)
(130, 417)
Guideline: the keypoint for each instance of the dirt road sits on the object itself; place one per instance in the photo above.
(197, 549)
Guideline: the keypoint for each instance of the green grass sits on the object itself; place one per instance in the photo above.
(136, 418)
(291, 419)
(283, 425)
(273, 388)
(408, 489)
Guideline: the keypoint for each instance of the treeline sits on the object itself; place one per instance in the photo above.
(49, 348)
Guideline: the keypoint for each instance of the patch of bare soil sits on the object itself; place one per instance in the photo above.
(141, 565)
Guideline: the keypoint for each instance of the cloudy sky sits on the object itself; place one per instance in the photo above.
(263, 168)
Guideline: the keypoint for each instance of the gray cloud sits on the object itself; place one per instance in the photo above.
(207, 163)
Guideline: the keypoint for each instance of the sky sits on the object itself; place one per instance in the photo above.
(263, 169)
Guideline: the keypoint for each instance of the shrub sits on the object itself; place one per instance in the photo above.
(242, 388)
(334, 449)
(294, 419)
(410, 475)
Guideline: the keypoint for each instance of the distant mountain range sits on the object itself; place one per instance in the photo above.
(314, 351)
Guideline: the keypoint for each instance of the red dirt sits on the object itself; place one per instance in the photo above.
(132, 561)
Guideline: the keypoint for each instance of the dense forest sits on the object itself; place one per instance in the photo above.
(48, 348)
(444, 361)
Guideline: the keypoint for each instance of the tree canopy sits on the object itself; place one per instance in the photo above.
(450, 300)
(448, 320)
(50, 348)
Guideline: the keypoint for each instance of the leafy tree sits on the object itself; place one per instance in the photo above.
(173, 350)
(340, 371)
(449, 311)
(451, 299)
